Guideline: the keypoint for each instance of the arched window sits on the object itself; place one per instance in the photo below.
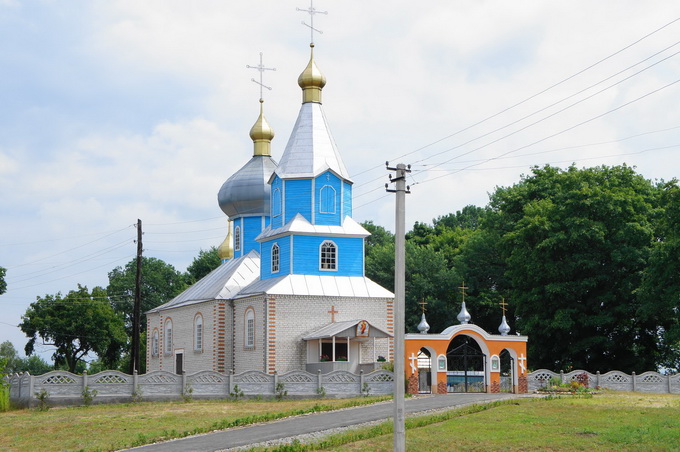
(237, 238)
(327, 199)
(276, 202)
(250, 328)
(198, 333)
(328, 256)
(154, 343)
(275, 258)
(168, 336)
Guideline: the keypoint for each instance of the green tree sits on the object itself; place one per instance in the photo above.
(576, 243)
(10, 357)
(34, 364)
(77, 324)
(379, 236)
(204, 263)
(3, 284)
(660, 289)
(160, 283)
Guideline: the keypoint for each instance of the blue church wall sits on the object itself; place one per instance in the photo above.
(284, 258)
(298, 196)
(252, 227)
(350, 256)
(347, 199)
(327, 203)
(276, 202)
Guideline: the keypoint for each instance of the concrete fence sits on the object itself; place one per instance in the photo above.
(652, 382)
(65, 388)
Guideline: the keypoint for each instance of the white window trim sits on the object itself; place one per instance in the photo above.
(321, 198)
(198, 337)
(276, 247)
(237, 238)
(168, 338)
(280, 203)
(335, 268)
(249, 334)
(154, 342)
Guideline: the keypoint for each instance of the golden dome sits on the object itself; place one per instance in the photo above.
(226, 249)
(311, 81)
(262, 134)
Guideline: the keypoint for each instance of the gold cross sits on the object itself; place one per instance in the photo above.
(332, 312)
(422, 305)
(503, 305)
(462, 290)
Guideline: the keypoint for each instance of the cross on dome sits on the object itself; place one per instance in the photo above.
(312, 11)
(504, 305)
(260, 68)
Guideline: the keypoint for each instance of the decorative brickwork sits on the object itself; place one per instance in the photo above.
(441, 388)
(495, 387)
(413, 387)
(522, 385)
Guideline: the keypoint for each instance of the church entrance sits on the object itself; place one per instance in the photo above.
(465, 369)
(507, 364)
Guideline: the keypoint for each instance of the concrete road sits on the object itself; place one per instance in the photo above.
(311, 423)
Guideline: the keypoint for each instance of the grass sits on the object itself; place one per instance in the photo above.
(112, 427)
(609, 421)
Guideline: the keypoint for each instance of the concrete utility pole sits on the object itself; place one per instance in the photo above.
(135, 361)
(399, 300)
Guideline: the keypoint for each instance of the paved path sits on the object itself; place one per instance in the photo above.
(311, 423)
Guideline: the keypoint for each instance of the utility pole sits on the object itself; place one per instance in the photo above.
(135, 361)
(399, 300)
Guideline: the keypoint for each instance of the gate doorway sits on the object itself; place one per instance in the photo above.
(424, 371)
(506, 371)
(465, 369)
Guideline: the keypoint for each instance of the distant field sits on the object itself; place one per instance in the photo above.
(606, 422)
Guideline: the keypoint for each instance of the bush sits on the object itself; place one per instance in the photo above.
(42, 397)
(88, 395)
(4, 397)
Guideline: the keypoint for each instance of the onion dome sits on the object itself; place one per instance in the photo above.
(226, 250)
(423, 326)
(311, 81)
(504, 329)
(464, 316)
(246, 193)
(262, 134)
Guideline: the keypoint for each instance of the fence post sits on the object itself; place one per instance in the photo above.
(184, 383)
(319, 385)
(135, 383)
(84, 380)
(634, 385)
(562, 376)
(276, 382)
(597, 379)
(31, 388)
(230, 379)
(670, 389)
(361, 382)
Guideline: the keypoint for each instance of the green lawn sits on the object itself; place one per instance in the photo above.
(112, 427)
(610, 421)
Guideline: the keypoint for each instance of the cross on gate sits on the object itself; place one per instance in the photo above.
(504, 305)
(522, 361)
(332, 312)
(413, 359)
(462, 290)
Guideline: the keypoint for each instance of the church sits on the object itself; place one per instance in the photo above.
(291, 293)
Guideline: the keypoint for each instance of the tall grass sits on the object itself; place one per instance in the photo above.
(4, 397)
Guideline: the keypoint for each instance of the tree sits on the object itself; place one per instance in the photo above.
(659, 292)
(3, 284)
(575, 243)
(34, 364)
(77, 324)
(204, 263)
(160, 283)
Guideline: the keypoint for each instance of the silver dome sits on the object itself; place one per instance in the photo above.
(246, 193)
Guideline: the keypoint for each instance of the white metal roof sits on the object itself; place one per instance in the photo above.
(344, 329)
(223, 283)
(311, 149)
(329, 286)
(301, 226)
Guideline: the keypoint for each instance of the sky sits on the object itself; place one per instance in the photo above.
(118, 110)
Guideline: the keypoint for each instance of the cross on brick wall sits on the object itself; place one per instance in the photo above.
(332, 312)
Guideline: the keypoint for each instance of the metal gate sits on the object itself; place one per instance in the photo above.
(465, 368)
(507, 364)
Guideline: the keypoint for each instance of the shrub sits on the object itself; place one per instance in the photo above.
(236, 393)
(88, 395)
(42, 397)
(280, 391)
